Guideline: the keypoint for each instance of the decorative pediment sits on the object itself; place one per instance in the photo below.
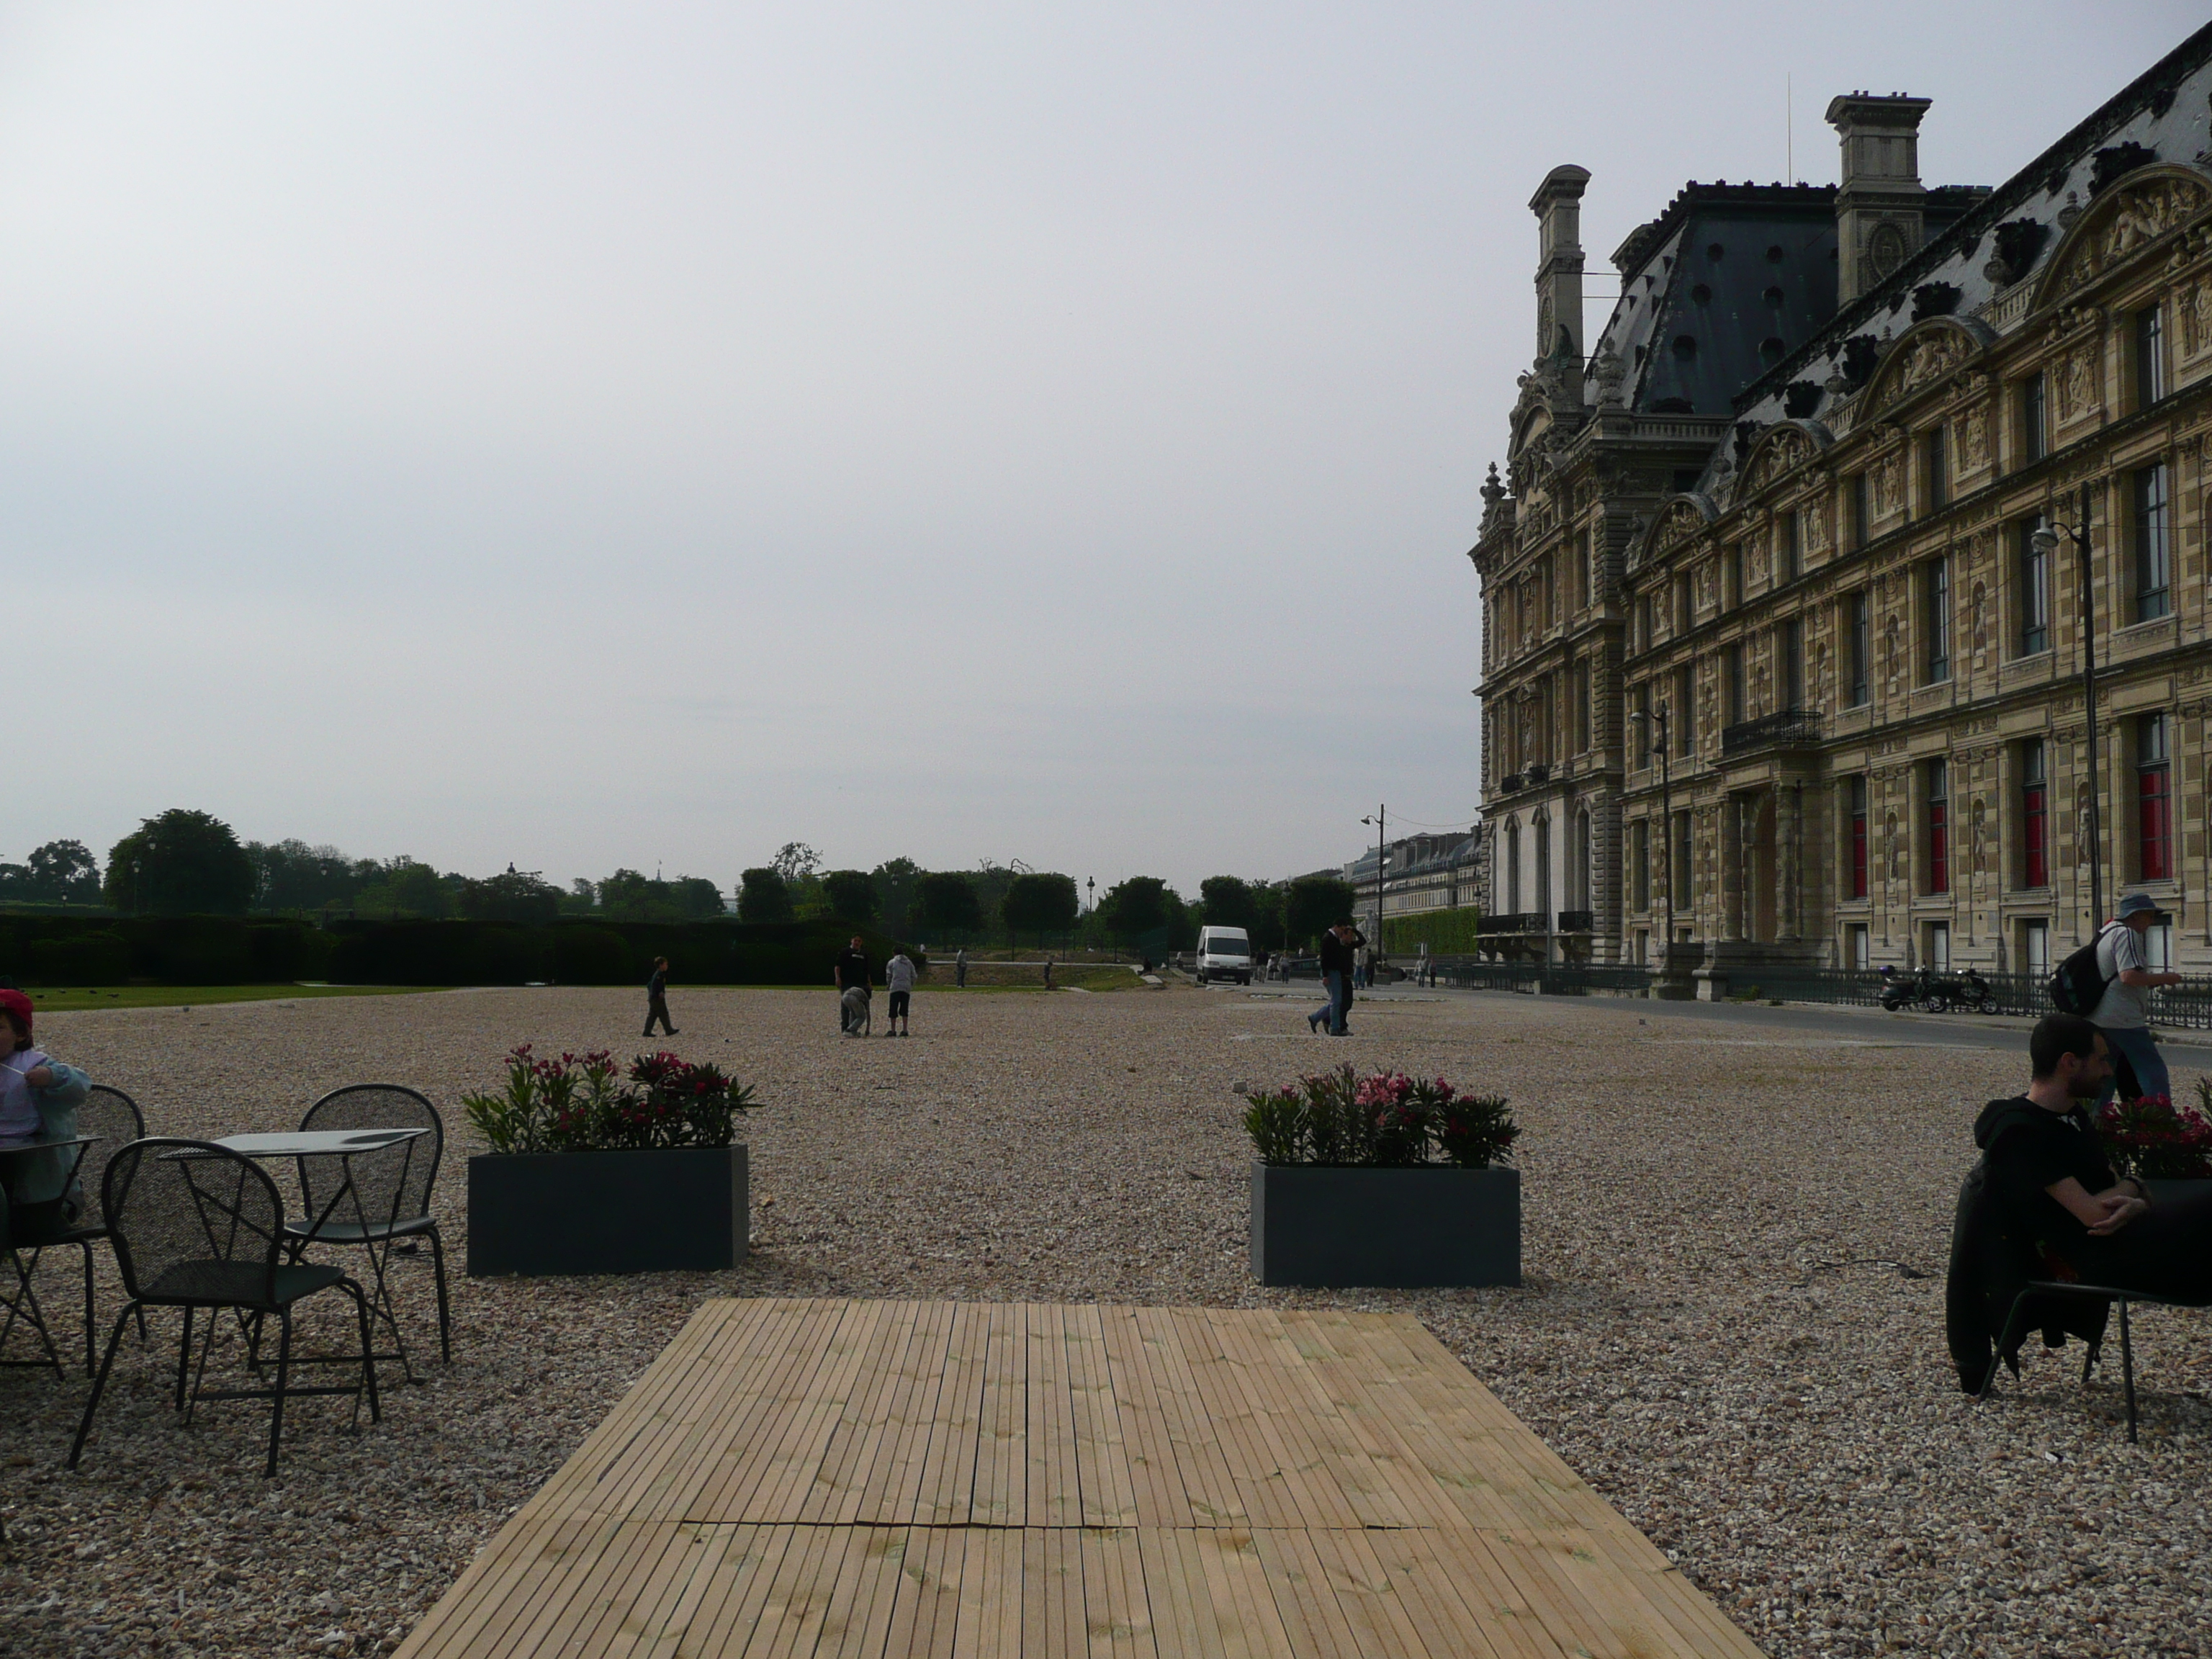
(1924, 354)
(1780, 450)
(1682, 519)
(2152, 203)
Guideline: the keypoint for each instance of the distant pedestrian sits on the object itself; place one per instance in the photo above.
(960, 969)
(1047, 973)
(899, 980)
(850, 975)
(1338, 949)
(656, 998)
(2123, 1012)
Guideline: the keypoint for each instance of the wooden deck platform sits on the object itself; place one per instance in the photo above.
(952, 1479)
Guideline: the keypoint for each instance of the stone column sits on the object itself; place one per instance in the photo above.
(1731, 868)
(1789, 828)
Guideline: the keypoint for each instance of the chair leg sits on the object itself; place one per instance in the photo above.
(283, 1370)
(91, 1358)
(2089, 1361)
(99, 1384)
(2127, 1369)
(368, 1351)
(184, 1356)
(2015, 1328)
(445, 1315)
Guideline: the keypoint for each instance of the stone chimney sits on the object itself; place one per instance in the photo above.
(1878, 221)
(1558, 205)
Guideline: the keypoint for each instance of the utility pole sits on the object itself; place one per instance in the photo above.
(1381, 821)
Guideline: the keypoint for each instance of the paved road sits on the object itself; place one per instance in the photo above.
(2192, 1049)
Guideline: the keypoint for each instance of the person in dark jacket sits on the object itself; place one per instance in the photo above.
(656, 998)
(1339, 949)
(851, 974)
(2054, 1185)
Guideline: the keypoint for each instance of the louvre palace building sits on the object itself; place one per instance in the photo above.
(1775, 666)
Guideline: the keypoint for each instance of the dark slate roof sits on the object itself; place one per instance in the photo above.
(1722, 286)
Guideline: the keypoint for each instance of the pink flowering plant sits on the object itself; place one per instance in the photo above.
(1385, 1118)
(585, 1103)
(2154, 1138)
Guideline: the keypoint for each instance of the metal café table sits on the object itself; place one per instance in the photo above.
(344, 1145)
(24, 1304)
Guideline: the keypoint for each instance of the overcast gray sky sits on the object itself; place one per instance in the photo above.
(598, 434)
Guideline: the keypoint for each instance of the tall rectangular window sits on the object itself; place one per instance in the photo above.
(1583, 584)
(2035, 948)
(2034, 815)
(1679, 623)
(1679, 877)
(1859, 693)
(1732, 576)
(1936, 468)
(1582, 707)
(2150, 357)
(2153, 800)
(1936, 938)
(1788, 545)
(2034, 429)
(1732, 712)
(1551, 593)
(1685, 713)
(1639, 864)
(1938, 784)
(1855, 943)
(1936, 584)
(1862, 513)
(1855, 835)
(2032, 566)
(1643, 622)
(2153, 544)
(1790, 663)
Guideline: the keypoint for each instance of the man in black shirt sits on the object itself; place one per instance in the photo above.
(851, 973)
(2048, 1168)
(1340, 947)
(656, 998)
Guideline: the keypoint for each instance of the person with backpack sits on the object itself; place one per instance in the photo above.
(2109, 980)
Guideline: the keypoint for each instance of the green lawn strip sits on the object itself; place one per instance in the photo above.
(57, 1001)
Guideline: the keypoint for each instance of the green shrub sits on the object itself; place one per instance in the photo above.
(83, 959)
(591, 955)
(1385, 1119)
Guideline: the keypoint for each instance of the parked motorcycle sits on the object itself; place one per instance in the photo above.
(1936, 993)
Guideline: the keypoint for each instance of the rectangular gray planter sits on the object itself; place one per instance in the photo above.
(608, 1212)
(1431, 1224)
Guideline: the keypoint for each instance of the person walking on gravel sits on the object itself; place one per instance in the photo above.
(851, 974)
(1338, 948)
(899, 980)
(2123, 1014)
(960, 969)
(656, 998)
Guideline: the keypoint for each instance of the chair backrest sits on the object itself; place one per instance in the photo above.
(193, 1222)
(393, 1183)
(113, 1118)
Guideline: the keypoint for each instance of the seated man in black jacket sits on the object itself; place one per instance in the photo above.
(2048, 1170)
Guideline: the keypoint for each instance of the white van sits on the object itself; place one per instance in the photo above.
(1225, 953)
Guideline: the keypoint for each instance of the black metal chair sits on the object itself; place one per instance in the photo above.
(394, 1184)
(2019, 1321)
(114, 1119)
(196, 1225)
(21, 1302)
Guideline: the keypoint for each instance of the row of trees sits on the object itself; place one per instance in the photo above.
(186, 862)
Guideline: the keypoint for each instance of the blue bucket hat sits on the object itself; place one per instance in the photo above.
(2136, 904)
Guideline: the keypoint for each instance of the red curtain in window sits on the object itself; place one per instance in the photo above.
(1858, 854)
(2036, 864)
(1939, 847)
(2154, 823)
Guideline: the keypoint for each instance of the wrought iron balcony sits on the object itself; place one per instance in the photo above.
(1536, 772)
(1508, 783)
(1793, 728)
(1526, 921)
(1577, 921)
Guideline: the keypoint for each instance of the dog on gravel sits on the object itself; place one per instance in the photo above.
(859, 1016)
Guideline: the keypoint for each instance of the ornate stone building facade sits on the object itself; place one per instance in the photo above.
(1867, 664)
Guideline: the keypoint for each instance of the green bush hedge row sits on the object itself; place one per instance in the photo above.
(68, 950)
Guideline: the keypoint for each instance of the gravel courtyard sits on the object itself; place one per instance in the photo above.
(1732, 1324)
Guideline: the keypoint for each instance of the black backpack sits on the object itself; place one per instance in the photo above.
(2078, 986)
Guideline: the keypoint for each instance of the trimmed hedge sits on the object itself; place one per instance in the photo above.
(106, 949)
(1446, 932)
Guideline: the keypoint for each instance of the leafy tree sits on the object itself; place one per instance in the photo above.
(295, 877)
(795, 861)
(897, 880)
(762, 896)
(1314, 905)
(407, 889)
(946, 903)
(852, 896)
(1039, 902)
(1139, 906)
(64, 872)
(521, 896)
(181, 863)
(698, 899)
(1228, 901)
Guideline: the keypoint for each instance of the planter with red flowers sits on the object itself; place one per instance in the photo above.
(596, 1169)
(2160, 1142)
(1385, 1180)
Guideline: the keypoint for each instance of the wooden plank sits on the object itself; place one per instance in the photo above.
(1156, 1481)
(946, 1490)
(893, 1492)
(857, 1422)
(1001, 1489)
(925, 1614)
(990, 1621)
(1211, 1494)
(1055, 1488)
(1117, 1610)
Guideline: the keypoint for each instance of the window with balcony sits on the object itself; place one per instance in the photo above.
(2034, 421)
(2032, 579)
(1936, 591)
(1937, 781)
(1790, 664)
(2034, 815)
(1855, 836)
(2154, 553)
(1733, 712)
(2153, 800)
(2150, 356)
(1857, 689)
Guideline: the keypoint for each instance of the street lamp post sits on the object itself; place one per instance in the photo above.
(2045, 541)
(1658, 717)
(1381, 821)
